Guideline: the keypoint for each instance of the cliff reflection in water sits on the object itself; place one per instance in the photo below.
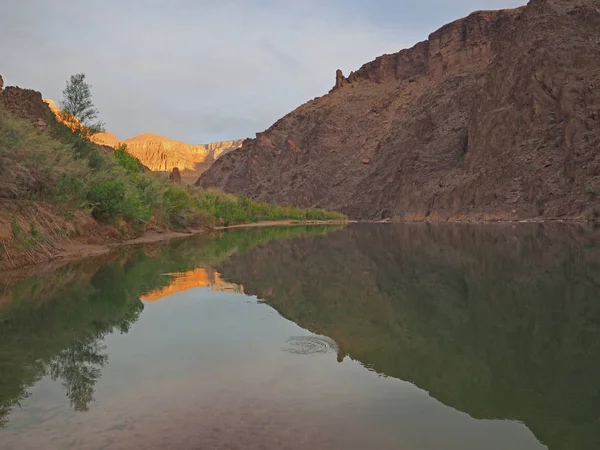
(204, 277)
(53, 323)
(501, 322)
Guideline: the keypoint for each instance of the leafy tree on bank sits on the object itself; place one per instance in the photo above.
(77, 101)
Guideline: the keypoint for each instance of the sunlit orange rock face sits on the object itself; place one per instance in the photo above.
(162, 154)
(67, 119)
(107, 139)
(198, 278)
(159, 153)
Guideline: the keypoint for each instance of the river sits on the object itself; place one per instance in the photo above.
(369, 336)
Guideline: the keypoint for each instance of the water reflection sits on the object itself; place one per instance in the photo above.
(198, 278)
(309, 345)
(53, 323)
(499, 322)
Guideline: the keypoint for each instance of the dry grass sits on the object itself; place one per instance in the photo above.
(31, 232)
(31, 162)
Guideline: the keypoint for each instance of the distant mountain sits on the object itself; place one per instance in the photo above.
(162, 154)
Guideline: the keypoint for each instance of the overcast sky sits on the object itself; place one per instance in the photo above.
(207, 70)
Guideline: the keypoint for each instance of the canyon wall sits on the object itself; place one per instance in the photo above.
(495, 116)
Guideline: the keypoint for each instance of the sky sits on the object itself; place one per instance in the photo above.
(207, 70)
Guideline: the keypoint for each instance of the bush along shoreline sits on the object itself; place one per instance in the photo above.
(56, 186)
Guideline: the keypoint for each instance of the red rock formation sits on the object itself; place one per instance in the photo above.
(340, 79)
(496, 115)
(175, 176)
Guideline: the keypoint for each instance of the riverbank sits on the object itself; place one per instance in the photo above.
(78, 249)
(63, 196)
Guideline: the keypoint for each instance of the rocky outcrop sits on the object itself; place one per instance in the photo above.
(106, 140)
(162, 154)
(495, 116)
(175, 175)
(25, 104)
(340, 79)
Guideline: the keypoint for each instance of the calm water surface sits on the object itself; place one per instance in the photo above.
(409, 337)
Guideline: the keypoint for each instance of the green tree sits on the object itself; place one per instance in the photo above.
(77, 100)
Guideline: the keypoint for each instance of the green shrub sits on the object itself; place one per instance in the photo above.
(178, 210)
(70, 189)
(107, 199)
(135, 210)
(20, 237)
(228, 209)
(130, 163)
(81, 147)
(33, 231)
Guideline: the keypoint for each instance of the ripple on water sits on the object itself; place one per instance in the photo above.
(309, 345)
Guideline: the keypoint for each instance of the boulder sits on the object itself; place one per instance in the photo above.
(175, 175)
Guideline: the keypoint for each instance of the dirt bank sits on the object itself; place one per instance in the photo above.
(75, 249)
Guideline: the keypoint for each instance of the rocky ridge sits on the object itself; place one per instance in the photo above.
(495, 116)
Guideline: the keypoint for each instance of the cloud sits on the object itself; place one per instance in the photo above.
(201, 71)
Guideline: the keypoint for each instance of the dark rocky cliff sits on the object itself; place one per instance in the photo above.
(496, 115)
